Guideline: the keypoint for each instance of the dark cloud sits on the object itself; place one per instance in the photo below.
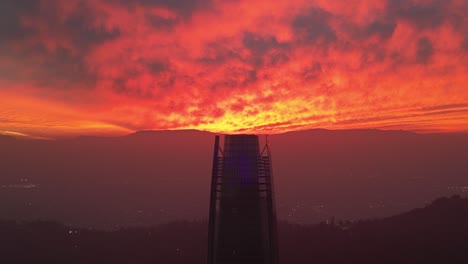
(464, 44)
(80, 25)
(429, 14)
(236, 77)
(120, 86)
(219, 52)
(63, 68)
(277, 58)
(60, 67)
(265, 51)
(373, 54)
(424, 50)
(184, 7)
(161, 23)
(258, 44)
(157, 66)
(313, 27)
(312, 72)
(54, 65)
(382, 29)
(166, 80)
(10, 13)
(135, 84)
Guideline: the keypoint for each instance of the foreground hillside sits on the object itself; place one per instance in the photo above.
(434, 234)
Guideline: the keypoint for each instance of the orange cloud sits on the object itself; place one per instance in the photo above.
(234, 66)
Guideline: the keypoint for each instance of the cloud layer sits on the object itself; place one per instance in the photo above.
(234, 66)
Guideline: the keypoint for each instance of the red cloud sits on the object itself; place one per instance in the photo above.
(235, 66)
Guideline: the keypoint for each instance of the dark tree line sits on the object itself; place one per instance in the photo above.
(437, 233)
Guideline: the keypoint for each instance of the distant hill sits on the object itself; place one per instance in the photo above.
(433, 234)
(4, 138)
(152, 177)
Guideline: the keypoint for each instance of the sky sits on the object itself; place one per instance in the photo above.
(112, 67)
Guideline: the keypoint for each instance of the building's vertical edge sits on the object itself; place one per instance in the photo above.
(243, 235)
(213, 197)
(272, 208)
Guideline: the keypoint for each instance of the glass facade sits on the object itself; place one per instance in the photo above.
(242, 213)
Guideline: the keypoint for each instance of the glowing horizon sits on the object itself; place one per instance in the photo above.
(84, 67)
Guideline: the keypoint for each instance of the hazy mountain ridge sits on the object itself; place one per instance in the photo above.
(318, 131)
(151, 177)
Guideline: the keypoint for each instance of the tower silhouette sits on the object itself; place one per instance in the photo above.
(242, 222)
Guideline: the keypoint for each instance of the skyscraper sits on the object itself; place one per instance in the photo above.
(242, 223)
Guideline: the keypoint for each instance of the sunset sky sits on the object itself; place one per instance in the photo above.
(112, 67)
